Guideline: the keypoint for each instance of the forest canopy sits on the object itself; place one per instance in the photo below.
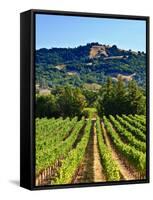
(113, 98)
(91, 63)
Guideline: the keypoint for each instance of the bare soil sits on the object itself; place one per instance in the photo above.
(98, 169)
(91, 168)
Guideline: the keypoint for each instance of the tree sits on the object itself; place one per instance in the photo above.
(43, 83)
(106, 98)
(91, 97)
(136, 99)
(46, 106)
(71, 102)
(120, 97)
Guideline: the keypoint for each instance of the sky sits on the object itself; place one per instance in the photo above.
(73, 31)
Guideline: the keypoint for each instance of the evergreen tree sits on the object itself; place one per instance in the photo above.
(136, 99)
(106, 98)
(120, 97)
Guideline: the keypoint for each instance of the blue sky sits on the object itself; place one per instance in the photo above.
(65, 31)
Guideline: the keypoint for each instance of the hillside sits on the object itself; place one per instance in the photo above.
(91, 63)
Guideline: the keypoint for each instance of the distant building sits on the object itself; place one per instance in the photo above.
(42, 91)
(45, 91)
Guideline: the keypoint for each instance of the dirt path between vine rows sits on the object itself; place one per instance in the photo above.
(91, 169)
(125, 169)
(98, 169)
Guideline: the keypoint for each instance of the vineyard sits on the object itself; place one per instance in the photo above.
(87, 150)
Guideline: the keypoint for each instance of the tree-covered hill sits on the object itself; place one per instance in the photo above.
(91, 63)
